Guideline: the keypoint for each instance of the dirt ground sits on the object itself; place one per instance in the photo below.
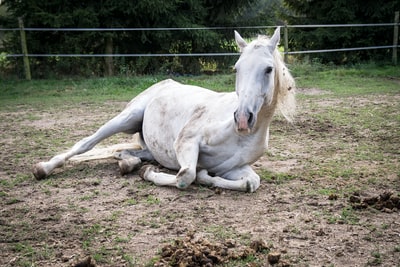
(329, 195)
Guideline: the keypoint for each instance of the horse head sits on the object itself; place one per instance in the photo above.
(255, 71)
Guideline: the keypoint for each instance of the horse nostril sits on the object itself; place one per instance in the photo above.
(251, 118)
(235, 116)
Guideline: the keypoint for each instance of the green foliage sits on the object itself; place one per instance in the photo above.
(130, 14)
(342, 12)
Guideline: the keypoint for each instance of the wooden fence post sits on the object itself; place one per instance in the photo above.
(285, 44)
(109, 64)
(395, 37)
(24, 50)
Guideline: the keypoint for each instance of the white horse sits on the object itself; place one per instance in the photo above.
(208, 137)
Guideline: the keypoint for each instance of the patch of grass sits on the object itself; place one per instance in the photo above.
(94, 90)
(326, 191)
(120, 239)
(275, 177)
(341, 80)
(152, 200)
(347, 80)
(130, 260)
(17, 180)
(28, 255)
(102, 255)
(223, 233)
(346, 216)
(131, 201)
(376, 258)
(91, 196)
(114, 216)
(13, 201)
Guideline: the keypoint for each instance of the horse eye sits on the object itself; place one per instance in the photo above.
(268, 70)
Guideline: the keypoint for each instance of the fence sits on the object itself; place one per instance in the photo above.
(25, 55)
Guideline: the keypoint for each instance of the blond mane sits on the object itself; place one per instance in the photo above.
(285, 87)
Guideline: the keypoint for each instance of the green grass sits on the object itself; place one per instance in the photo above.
(45, 93)
(354, 80)
(349, 80)
(276, 178)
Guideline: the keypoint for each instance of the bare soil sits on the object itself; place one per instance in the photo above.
(329, 195)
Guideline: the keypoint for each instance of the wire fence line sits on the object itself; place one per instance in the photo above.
(203, 28)
(286, 52)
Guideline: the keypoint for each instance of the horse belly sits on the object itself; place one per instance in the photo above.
(162, 123)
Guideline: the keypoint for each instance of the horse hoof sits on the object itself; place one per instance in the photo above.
(128, 165)
(145, 170)
(39, 172)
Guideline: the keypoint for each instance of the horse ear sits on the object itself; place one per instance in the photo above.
(239, 41)
(274, 41)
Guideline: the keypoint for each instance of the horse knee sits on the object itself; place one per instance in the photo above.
(185, 177)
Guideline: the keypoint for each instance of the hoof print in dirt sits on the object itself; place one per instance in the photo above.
(199, 251)
(386, 201)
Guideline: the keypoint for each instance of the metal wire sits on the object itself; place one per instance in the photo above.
(201, 28)
(198, 28)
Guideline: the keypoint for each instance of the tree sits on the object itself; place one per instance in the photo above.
(341, 12)
(128, 14)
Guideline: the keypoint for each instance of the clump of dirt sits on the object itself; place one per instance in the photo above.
(386, 201)
(199, 251)
(86, 263)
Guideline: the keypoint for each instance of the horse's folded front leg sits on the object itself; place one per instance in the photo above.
(152, 174)
(241, 179)
(185, 177)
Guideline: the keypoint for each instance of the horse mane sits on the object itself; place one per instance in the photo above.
(285, 87)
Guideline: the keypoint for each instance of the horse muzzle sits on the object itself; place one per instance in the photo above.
(244, 121)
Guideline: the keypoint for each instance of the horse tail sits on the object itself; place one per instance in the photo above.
(107, 152)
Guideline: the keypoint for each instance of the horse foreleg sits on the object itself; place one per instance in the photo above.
(241, 179)
(187, 152)
(152, 174)
(127, 121)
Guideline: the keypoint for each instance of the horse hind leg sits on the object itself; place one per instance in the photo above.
(129, 120)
